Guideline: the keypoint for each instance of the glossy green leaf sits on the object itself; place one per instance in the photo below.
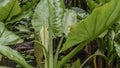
(49, 14)
(40, 16)
(56, 14)
(13, 55)
(8, 9)
(95, 24)
(7, 37)
(53, 15)
(26, 11)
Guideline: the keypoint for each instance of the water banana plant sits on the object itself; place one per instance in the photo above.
(91, 27)
(87, 30)
(50, 20)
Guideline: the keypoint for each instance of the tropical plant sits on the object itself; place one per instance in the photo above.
(9, 9)
(90, 28)
(50, 21)
(51, 26)
(77, 23)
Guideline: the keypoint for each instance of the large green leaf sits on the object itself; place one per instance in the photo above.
(40, 16)
(7, 37)
(52, 10)
(26, 11)
(56, 14)
(8, 9)
(96, 23)
(13, 55)
(50, 14)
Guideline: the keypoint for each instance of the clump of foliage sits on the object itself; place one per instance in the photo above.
(62, 27)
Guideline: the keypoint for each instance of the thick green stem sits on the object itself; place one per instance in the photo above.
(57, 53)
(50, 49)
(71, 54)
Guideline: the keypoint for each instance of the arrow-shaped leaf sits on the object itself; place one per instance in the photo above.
(96, 23)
